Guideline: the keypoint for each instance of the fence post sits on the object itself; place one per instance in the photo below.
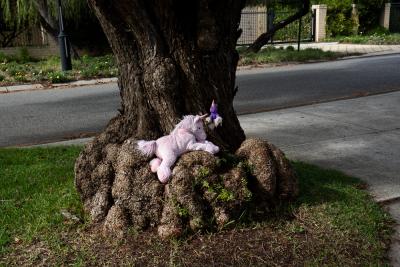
(320, 22)
(355, 18)
(385, 16)
(299, 35)
(270, 21)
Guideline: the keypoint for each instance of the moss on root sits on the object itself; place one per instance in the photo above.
(205, 192)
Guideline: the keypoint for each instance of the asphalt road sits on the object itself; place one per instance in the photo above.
(58, 114)
(268, 89)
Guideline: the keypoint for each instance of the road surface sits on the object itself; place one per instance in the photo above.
(59, 114)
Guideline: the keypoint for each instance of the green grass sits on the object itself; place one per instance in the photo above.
(35, 184)
(23, 69)
(273, 55)
(336, 199)
(371, 39)
(333, 222)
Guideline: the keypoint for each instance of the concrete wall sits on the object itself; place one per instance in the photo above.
(34, 51)
(320, 24)
(385, 16)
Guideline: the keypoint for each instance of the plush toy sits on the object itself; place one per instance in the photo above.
(188, 135)
(214, 120)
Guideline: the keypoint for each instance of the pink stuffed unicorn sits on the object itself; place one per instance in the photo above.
(188, 135)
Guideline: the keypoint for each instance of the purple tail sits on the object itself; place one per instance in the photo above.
(147, 147)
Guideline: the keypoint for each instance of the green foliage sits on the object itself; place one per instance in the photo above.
(21, 12)
(225, 195)
(22, 68)
(274, 3)
(220, 191)
(58, 77)
(18, 13)
(275, 55)
(203, 172)
(91, 67)
(3, 57)
(23, 56)
(375, 38)
(339, 20)
(290, 48)
(182, 211)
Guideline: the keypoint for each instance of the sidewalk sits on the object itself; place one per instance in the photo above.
(369, 50)
(360, 137)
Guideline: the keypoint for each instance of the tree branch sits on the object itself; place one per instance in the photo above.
(264, 38)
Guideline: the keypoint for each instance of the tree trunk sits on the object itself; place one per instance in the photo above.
(174, 58)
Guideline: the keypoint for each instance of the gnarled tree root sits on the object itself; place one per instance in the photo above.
(205, 191)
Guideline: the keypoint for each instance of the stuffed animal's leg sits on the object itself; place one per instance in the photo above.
(164, 170)
(154, 164)
(206, 146)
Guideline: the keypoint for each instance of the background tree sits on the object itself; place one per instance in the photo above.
(9, 32)
(12, 26)
(82, 26)
(174, 58)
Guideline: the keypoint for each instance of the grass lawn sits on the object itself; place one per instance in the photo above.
(371, 39)
(22, 68)
(334, 222)
(272, 55)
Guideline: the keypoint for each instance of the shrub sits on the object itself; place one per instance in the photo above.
(23, 55)
(290, 48)
(58, 77)
(2, 78)
(3, 57)
(339, 20)
(14, 69)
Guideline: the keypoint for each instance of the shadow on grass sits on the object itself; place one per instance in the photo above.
(322, 185)
(332, 222)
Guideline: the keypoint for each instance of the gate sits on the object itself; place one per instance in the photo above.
(255, 21)
(394, 24)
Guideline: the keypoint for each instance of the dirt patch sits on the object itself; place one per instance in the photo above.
(296, 240)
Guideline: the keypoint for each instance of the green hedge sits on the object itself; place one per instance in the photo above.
(339, 15)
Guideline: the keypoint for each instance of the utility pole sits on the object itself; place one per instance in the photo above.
(65, 51)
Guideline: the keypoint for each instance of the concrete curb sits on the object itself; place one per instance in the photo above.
(24, 87)
(29, 87)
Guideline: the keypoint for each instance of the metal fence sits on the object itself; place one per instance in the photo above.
(394, 25)
(255, 21)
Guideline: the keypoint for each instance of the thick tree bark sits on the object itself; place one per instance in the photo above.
(174, 58)
(264, 38)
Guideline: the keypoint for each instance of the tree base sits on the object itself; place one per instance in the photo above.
(205, 192)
